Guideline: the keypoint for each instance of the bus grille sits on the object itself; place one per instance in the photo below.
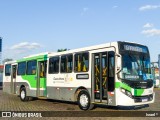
(143, 98)
(139, 84)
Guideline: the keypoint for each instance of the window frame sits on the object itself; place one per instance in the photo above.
(18, 68)
(27, 67)
(111, 87)
(71, 54)
(8, 74)
(88, 61)
(58, 65)
(45, 69)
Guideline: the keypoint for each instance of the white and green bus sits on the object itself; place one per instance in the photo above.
(114, 74)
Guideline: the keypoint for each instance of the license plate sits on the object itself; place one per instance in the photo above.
(144, 100)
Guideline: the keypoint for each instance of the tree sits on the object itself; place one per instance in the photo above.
(61, 50)
(7, 59)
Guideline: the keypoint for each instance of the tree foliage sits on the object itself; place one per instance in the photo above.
(7, 59)
(61, 50)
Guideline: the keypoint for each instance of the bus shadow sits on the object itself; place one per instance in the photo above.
(53, 101)
(70, 108)
(123, 107)
(96, 106)
(60, 101)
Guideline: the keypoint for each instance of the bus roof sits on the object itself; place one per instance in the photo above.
(10, 62)
(90, 48)
(81, 49)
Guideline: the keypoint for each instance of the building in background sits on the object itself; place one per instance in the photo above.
(1, 75)
(155, 73)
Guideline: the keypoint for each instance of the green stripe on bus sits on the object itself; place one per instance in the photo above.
(138, 92)
(31, 79)
(118, 84)
(42, 57)
(123, 85)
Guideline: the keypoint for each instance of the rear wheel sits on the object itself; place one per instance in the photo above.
(84, 101)
(23, 95)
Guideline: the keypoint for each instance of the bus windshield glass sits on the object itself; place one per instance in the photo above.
(136, 66)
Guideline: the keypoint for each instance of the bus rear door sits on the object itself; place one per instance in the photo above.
(13, 79)
(41, 78)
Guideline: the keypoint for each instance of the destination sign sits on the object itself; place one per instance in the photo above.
(131, 77)
(134, 48)
(82, 76)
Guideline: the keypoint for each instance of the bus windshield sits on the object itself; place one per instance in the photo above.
(136, 67)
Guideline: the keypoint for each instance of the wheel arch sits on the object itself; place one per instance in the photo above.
(78, 91)
(22, 86)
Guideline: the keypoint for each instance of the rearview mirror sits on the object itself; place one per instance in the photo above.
(119, 63)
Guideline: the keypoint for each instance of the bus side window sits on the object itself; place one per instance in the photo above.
(31, 67)
(14, 71)
(54, 65)
(81, 62)
(66, 63)
(111, 63)
(8, 70)
(78, 63)
(21, 68)
(63, 63)
(69, 63)
(43, 69)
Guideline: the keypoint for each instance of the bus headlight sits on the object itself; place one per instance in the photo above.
(123, 90)
(129, 94)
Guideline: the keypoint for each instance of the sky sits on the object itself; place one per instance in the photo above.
(34, 26)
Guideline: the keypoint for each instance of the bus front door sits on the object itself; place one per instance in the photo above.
(103, 77)
(100, 77)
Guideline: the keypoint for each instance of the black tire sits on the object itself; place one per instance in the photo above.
(84, 100)
(23, 95)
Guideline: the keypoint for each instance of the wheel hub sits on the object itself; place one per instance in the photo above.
(22, 94)
(83, 100)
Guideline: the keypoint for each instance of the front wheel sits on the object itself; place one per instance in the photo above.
(84, 101)
(23, 95)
